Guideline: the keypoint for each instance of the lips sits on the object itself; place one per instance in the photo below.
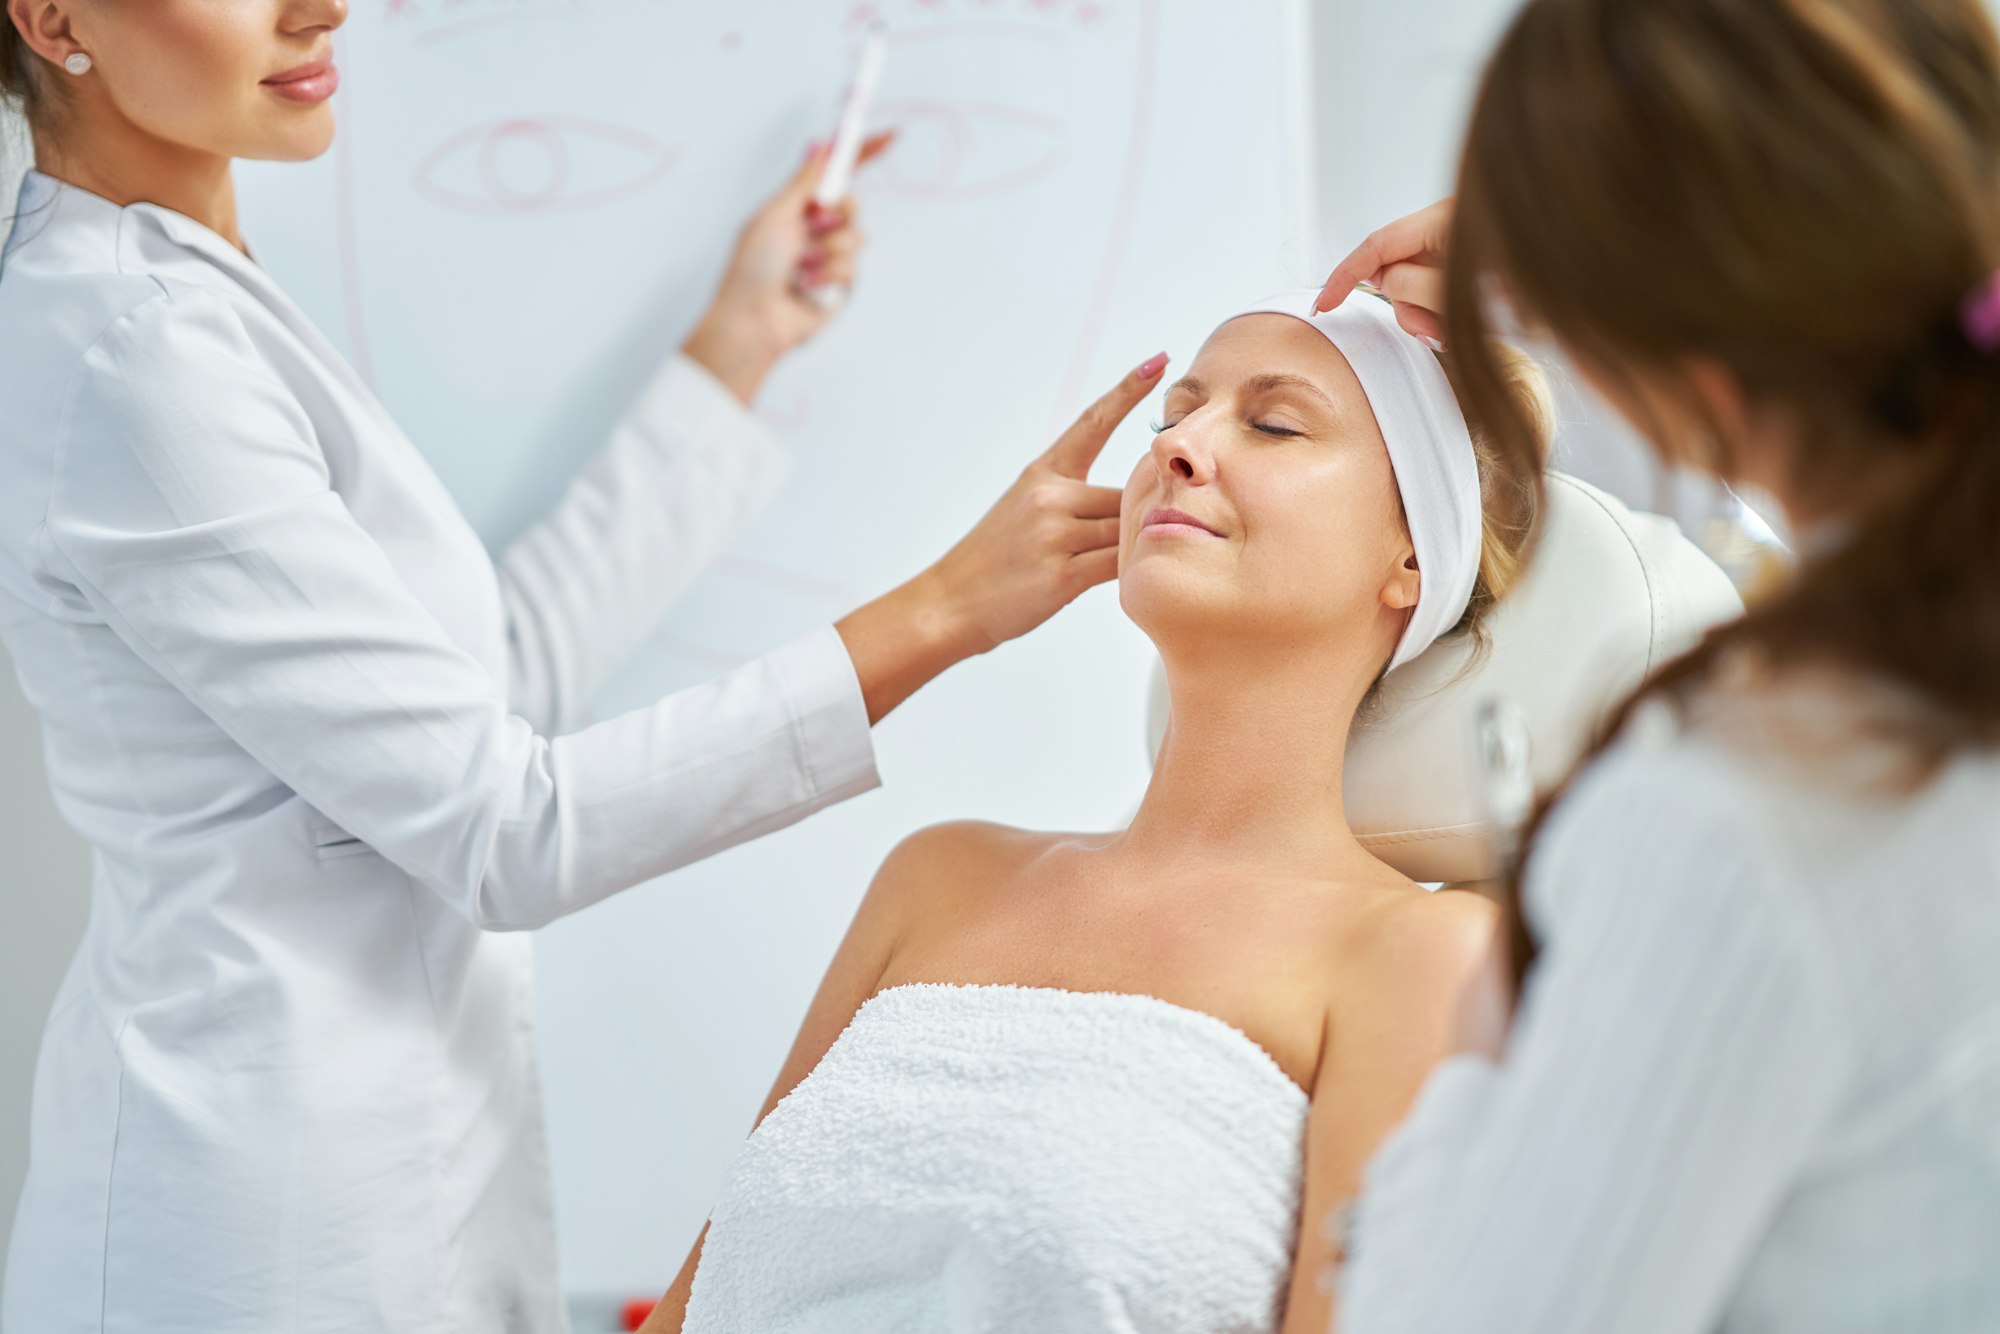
(1168, 519)
(313, 82)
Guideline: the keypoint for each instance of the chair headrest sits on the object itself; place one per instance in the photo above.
(1609, 595)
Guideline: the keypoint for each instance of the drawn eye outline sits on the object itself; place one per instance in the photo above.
(955, 119)
(490, 138)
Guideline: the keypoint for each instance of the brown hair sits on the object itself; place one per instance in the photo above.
(1802, 192)
(24, 90)
(20, 79)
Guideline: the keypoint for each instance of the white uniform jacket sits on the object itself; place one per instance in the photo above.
(313, 733)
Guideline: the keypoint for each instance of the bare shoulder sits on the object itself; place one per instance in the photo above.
(958, 846)
(1422, 941)
(929, 870)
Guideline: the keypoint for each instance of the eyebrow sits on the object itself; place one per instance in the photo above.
(1259, 384)
(1262, 384)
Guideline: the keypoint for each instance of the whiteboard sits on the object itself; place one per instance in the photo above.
(526, 207)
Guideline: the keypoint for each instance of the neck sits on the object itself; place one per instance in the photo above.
(127, 166)
(1250, 773)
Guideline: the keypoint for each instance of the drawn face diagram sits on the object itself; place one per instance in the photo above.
(536, 197)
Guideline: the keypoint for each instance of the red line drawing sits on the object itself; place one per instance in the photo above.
(954, 122)
(549, 135)
(1124, 213)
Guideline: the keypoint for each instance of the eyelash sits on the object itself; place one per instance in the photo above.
(1282, 432)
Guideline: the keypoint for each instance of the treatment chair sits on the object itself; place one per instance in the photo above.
(1609, 594)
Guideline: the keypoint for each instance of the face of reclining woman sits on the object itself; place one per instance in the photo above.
(1266, 516)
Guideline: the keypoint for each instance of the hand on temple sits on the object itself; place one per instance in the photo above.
(1047, 539)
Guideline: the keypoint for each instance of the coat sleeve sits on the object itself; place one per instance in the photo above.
(681, 475)
(191, 507)
(1678, 1050)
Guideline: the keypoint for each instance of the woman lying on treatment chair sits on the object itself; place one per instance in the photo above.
(1069, 1082)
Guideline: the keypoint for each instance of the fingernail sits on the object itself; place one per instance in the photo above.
(1152, 365)
(1431, 343)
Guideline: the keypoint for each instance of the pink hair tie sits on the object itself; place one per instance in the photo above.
(1979, 314)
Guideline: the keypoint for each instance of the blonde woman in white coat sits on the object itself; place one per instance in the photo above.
(313, 732)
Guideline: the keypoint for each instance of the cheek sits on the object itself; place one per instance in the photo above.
(1138, 488)
(189, 69)
(1318, 536)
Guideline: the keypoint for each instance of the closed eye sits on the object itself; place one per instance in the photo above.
(1268, 429)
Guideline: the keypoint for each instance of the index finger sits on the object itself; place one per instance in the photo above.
(1416, 235)
(1078, 447)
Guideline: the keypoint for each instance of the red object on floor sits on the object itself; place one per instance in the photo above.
(636, 1311)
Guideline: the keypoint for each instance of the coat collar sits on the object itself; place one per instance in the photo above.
(150, 239)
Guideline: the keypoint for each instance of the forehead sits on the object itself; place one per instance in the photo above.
(1265, 344)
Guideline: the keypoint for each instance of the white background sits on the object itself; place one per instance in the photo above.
(528, 203)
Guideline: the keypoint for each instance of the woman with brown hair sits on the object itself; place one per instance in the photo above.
(1753, 1081)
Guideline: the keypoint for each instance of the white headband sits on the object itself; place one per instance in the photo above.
(1430, 450)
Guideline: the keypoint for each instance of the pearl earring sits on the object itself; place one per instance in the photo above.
(77, 62)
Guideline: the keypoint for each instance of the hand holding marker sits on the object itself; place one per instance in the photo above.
(849, 148)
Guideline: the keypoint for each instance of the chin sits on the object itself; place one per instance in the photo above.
(298, 143)
(1170, 601)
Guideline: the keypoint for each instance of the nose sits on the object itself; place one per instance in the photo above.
(1179, 454)
(312, 16)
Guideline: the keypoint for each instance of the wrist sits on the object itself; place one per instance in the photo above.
(906, 637)
(732, 355)
(940, 619)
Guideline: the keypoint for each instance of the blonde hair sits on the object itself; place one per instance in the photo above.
(1510, 488)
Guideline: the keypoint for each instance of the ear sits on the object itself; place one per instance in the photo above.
(1405, 583)
(44, 26)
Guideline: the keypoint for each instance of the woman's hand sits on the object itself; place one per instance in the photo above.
(1048, 538)
(1405, 260)
(789, 248)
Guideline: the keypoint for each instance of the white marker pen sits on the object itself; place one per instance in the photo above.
(847, 141)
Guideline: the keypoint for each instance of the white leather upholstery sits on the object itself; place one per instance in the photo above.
(1610, 594)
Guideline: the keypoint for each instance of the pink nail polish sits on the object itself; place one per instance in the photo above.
(1152, 365)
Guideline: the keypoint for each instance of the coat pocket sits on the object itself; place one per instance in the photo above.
(330, 841)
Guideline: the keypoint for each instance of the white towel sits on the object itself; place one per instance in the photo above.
(1011, 1158)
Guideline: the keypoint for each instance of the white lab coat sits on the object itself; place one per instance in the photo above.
(312, 733)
